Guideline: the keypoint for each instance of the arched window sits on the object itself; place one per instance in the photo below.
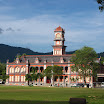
(17, 70)
(33, 69)
(11, 70)
(62, 68)
(66, 69)
(41, 69)
(23, 70)
(37, 69)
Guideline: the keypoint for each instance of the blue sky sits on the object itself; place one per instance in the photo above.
(31, 23)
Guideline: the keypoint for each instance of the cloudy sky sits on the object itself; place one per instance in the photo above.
(31, 23)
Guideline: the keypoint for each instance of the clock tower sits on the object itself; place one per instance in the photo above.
(58, 47)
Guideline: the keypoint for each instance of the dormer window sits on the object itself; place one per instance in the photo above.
(17, 61)
(61, 60)
(37, 60)
(45, 61)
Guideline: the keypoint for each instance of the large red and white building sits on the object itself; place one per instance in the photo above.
(22, 66)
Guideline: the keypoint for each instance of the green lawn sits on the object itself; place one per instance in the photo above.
(48, 95)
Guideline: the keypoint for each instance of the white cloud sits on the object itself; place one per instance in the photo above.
(38, 32)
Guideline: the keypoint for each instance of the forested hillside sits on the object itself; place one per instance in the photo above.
(9, 52)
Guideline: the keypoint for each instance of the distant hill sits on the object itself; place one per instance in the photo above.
(101, 54)
(9, 52)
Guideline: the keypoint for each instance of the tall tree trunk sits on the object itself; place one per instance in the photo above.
(85, 82)
(28, 82)
(52, 80)
(64, 80)
(39, 80)
(58, 81)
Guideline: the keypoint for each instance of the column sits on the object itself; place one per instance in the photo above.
(14, 75)
(69, 68)
(20, 79)
(45, 76)
(39, 76)
(52, 79)
(64, 77)
(7, 73)
(27, 70)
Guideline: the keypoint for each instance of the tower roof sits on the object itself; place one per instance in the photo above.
(59, 29)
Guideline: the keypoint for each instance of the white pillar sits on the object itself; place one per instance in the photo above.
(64, 77)
(45, 76)
(7, 73)
(39, 76)
(69, 69)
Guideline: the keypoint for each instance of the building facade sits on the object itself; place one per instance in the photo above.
(22, 66)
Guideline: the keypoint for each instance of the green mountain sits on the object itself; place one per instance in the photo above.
(10, 52)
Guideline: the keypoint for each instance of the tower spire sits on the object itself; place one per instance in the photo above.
(58, 47)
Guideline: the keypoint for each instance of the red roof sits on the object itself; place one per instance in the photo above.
(59, 29)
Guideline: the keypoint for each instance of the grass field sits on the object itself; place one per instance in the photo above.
(48, 95)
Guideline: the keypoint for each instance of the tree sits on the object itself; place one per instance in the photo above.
(28, 78)
(101, 2)
(3, 75)
(52, 71)
(40, 75)
(33, 75)
(84, 62)
(57, 71)
(48, 72)
(101, 60)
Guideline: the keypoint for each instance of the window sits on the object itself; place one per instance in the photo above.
(58, 42)
(80, 79)
(22, 78)
(11, 70)
(66, 69)
(11, 78)
(41, 69)
(87, 79)
(17, 69)
(23, 70)
(16, 78)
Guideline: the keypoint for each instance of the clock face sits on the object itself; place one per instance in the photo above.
(58, 35)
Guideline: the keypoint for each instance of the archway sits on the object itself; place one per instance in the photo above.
(66, 69)
(41, 69)
(48, 80)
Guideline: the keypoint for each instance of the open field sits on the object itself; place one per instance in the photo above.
(48, 95)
